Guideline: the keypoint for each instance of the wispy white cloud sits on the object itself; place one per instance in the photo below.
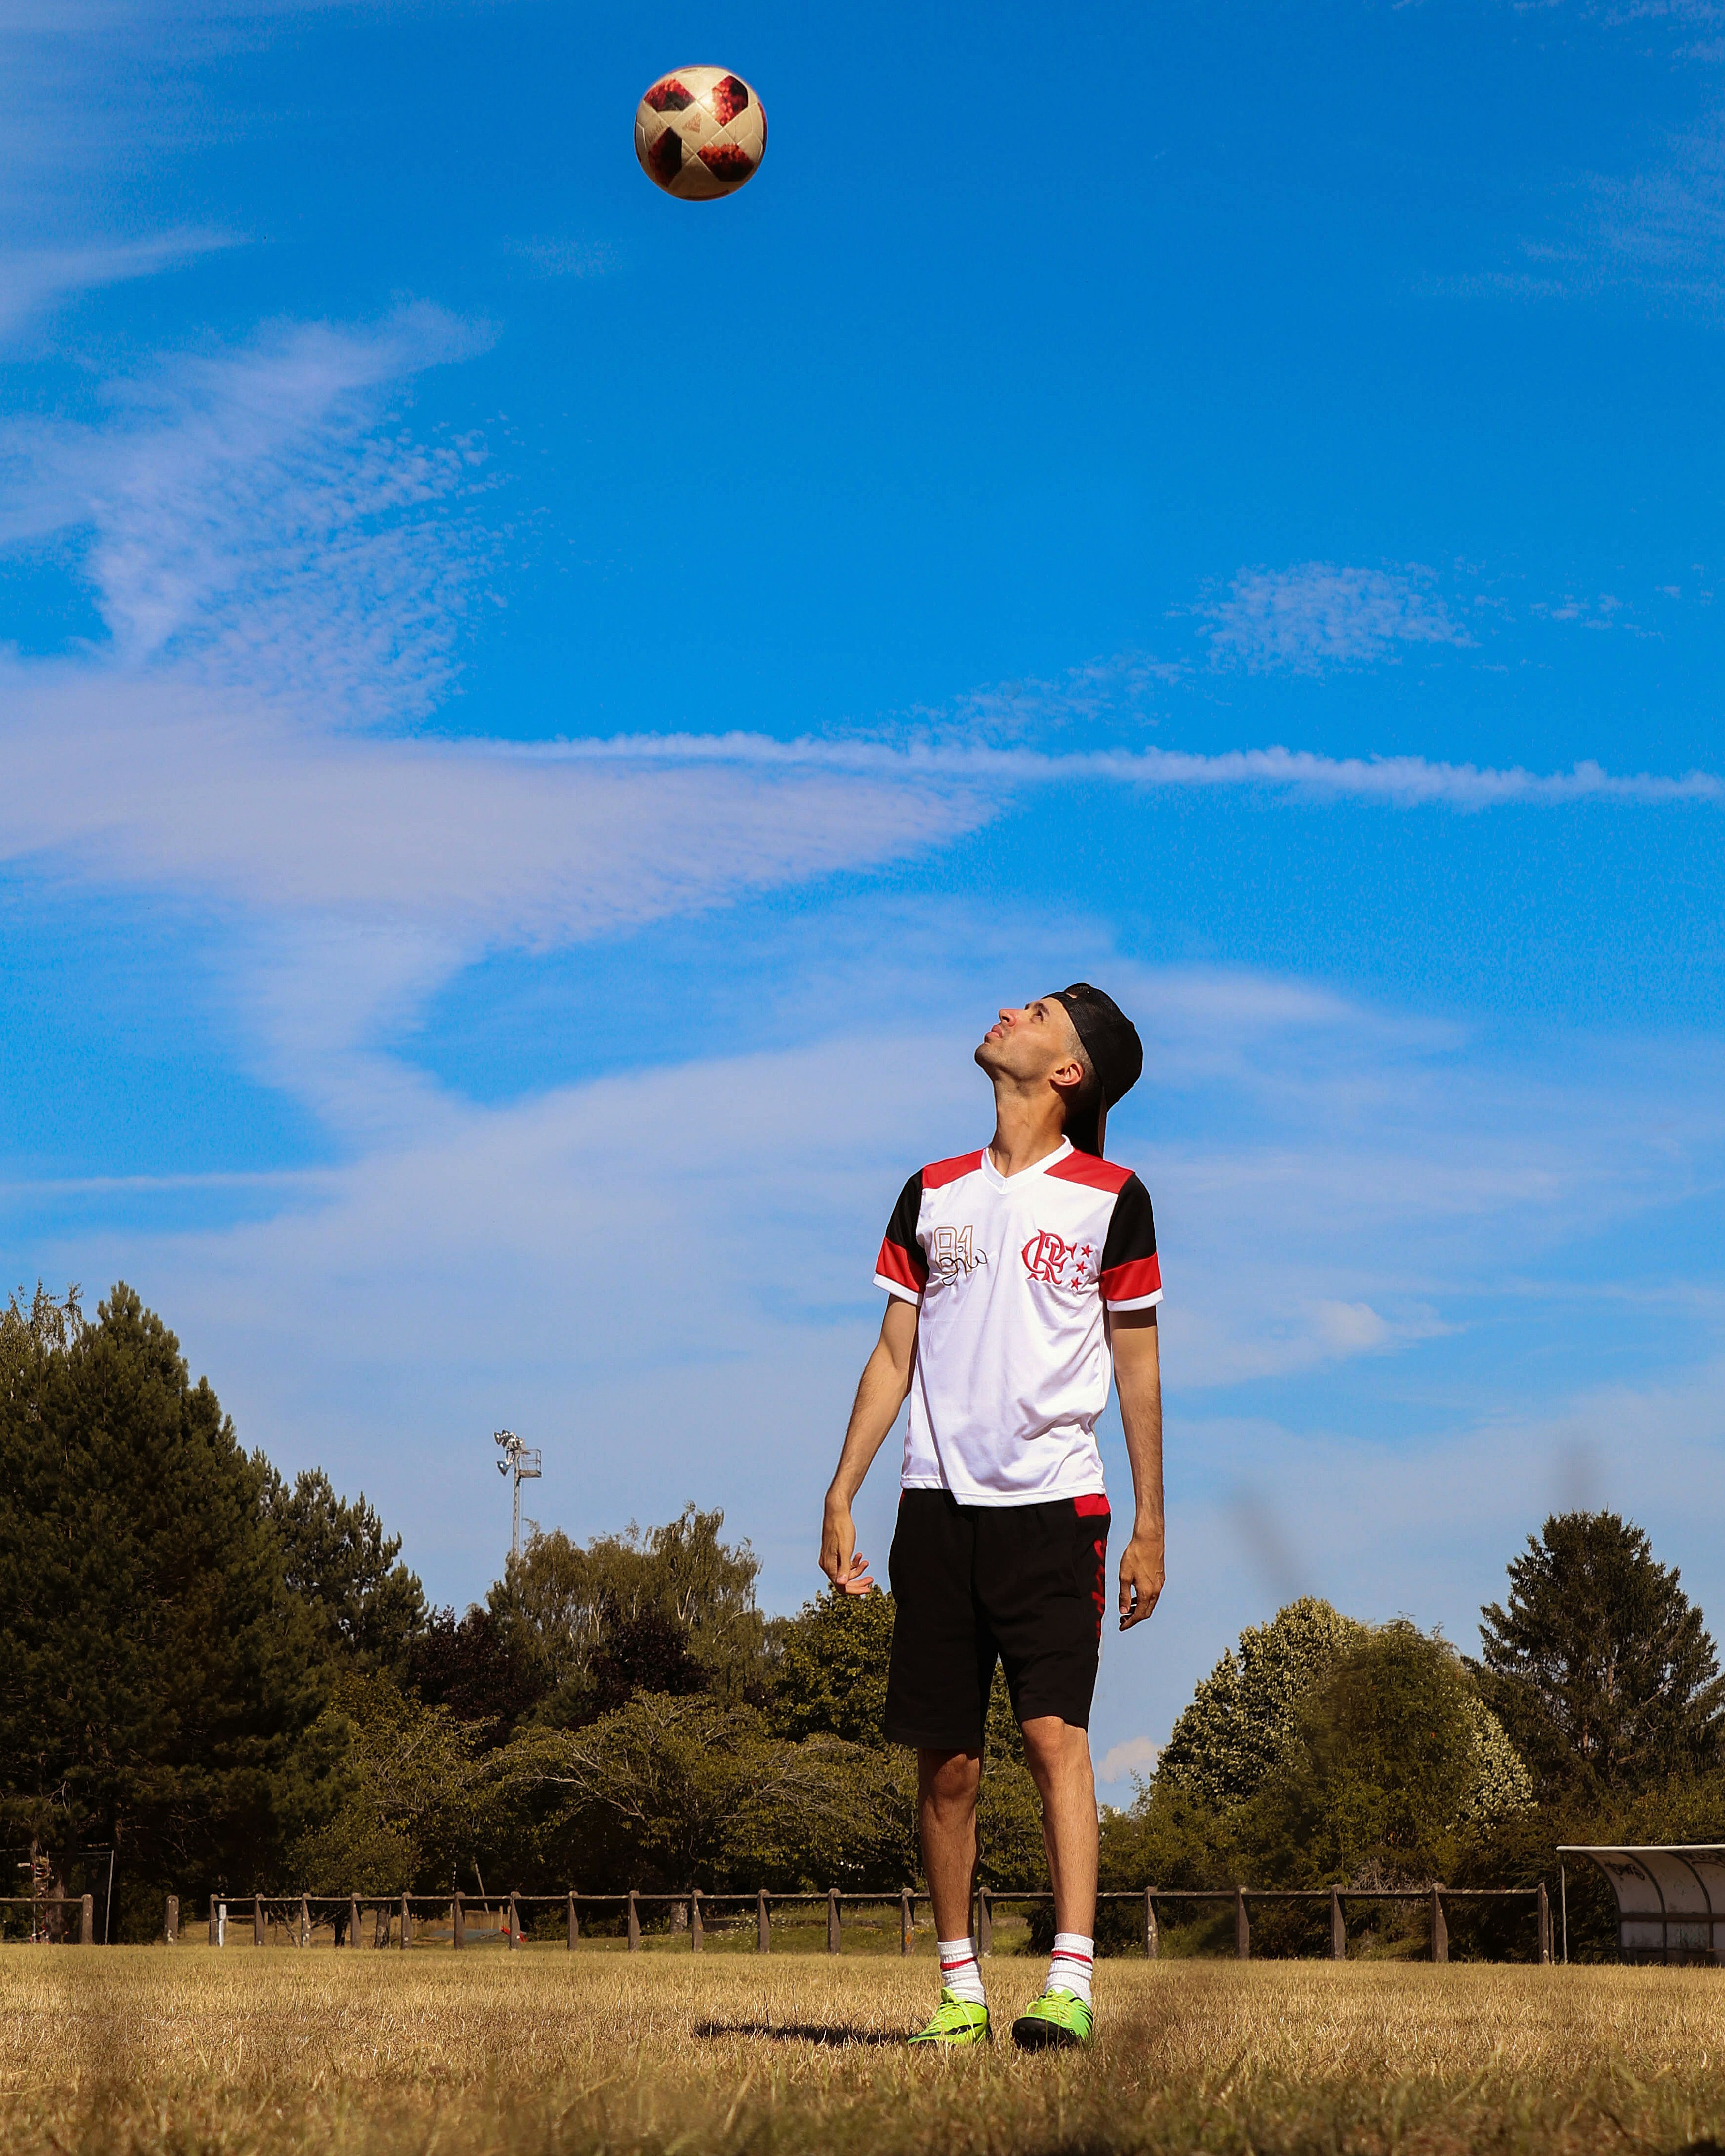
(275, 556)
(1659, 229)
(252, 517)
(34, 281)
(1006, 711)
(165, 786)
(174, 785)
(551, 257)
(1317, 616)
(1132, 1760)
(1665, 225)
(1393, 781)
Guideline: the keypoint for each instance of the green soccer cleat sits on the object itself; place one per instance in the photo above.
(955, 2021)
(1056, 2019)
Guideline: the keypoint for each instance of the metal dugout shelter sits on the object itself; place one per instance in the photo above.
(1669, 1896)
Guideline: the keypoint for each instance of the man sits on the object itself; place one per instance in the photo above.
(1011, 1274)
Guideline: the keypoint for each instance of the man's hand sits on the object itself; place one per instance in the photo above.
(885, 1380)
(1137, 1378)
(838, 1559)
(1142, 1573)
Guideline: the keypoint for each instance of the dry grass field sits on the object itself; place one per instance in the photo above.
(258, 2054)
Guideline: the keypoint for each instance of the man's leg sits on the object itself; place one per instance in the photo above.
(1044, 1595)
(1059, 1756)
(936, 1695)
(947, 1785)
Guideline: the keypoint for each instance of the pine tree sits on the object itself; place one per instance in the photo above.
(337, 1559)
(157, 1669)
(1600, 1666)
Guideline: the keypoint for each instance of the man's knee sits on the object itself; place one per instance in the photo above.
(949, 1780)
(1056, 1750)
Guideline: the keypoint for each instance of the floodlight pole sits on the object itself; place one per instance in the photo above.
(523, 1461)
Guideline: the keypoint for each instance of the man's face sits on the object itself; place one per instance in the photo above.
(1036, 1042)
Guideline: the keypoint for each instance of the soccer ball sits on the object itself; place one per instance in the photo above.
(700, 132)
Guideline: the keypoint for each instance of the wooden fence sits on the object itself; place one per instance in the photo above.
(394, 1915)
(47, 1910)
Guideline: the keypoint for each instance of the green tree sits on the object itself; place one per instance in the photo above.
(1322, 1750)
(1599, 1665)
(675, 1791)
(1500, 1783)
(1244, 1712)
(829, 1679)
(157, 1670)
(1382, 1761)
(671, 1610)
(395, 1796)
(337, 1559)
(483, 1670)
(829, 1668)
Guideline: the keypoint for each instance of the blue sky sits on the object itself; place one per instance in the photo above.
(537, 722)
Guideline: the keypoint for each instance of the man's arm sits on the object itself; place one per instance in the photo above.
(880, 1395)
(1137, 1380)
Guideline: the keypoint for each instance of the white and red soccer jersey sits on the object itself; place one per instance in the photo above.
(1013, 1273)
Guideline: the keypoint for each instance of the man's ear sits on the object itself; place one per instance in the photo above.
(1069, 1076)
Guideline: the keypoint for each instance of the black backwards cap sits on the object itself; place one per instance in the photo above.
(1116, 1053)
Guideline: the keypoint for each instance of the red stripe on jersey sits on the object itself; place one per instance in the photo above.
(1093, 1174)
(1085, 1507)
(940, 1172)
(1137, 1276)
(895, 1263)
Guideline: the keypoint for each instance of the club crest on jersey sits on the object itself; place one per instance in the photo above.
(1052, 1258)
(953, 1253)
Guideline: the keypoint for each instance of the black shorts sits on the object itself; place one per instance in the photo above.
(971, 1582)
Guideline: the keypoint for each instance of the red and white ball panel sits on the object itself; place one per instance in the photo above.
(700, 132)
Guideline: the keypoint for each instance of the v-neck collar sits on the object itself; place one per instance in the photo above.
(1063, 1150)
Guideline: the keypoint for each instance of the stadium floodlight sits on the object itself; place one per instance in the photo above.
(523, 1459)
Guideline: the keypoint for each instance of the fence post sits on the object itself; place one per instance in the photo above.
(1440, 1929)
(906, 1920)
(380, 1929)
(353, 1937)
(1153, 1940)
(215, 1921)
(697, 1937)
(171, 1920)
(257, 1920)
(305, 1920)
(634, 1922)
(832, 1920)
(86, 1920)
(1338, 1927)
(764, 1923)
(1544, 1926)
(1242, 1926)
(407, 1925)
(458, 1920)
(574, 1925)
(515, 1922)
(985, 1921)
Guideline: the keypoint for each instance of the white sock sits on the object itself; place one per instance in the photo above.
(959, 1972)
(1068, 1966)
